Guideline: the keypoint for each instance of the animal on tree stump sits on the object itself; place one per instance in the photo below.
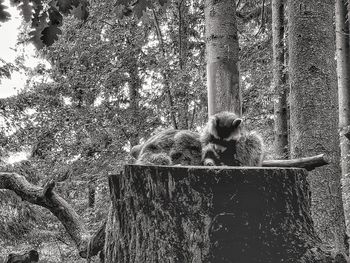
(225, 142)
(27, 257)
(169, 147)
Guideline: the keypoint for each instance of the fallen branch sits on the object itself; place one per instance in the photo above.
(309, 163)
(47, 198)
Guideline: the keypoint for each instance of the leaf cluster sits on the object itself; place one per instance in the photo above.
(45, 17)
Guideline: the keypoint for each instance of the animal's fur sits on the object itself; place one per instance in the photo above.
(169, 147)
(224, 142)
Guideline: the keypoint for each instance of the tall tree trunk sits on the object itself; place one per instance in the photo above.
(279, 80)
(342, 45)
(314, 113)
(183, 50)
(222, 57)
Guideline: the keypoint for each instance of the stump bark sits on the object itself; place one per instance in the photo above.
(217, 215)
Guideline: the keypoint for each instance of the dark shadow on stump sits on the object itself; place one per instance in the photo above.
(217, 215)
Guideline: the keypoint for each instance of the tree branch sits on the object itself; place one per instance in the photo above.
(309, 163)
(105, 22)
(159, 33)
(49, 199)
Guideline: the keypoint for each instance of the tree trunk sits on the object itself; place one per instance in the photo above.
(279, 80)
(314, 113)
(182, 90)
(222, 57)
(342, 45)
(199, 214)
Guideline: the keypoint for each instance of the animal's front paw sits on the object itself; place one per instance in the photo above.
(209, 162)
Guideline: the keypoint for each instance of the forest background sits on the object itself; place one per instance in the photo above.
(114, 79)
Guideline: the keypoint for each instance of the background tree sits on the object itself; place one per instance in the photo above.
(222, 57)
(314, 117)
(343, 67)
(279, 80)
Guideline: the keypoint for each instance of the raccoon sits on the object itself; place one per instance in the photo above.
(169, 147)
(224, 142)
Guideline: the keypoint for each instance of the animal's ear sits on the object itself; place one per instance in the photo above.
(236, 122)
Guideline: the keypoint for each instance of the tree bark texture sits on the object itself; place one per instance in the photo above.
(314, 110)
(182, 91)
(222, 57)
(343, 67)
(96, 242)
(279, 80)
(219, 214)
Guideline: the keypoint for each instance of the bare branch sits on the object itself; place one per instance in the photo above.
(109, 24)
(49, 199)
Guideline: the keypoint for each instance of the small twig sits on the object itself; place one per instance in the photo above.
(105, 22)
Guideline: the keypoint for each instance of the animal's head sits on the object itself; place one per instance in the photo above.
(225, 126)
(187, 148)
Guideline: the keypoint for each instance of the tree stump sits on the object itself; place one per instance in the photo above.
(211, 214)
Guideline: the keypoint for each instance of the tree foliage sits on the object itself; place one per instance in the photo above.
(46, 17)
